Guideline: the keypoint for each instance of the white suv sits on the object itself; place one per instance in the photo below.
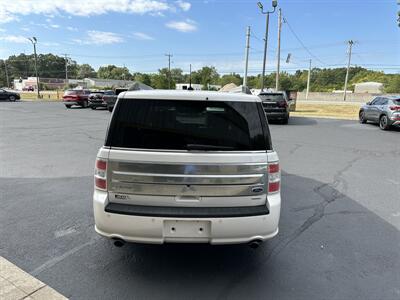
(187, 166)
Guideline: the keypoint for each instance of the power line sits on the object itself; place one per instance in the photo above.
(301, 42)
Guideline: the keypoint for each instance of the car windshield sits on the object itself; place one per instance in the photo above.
(187, 125)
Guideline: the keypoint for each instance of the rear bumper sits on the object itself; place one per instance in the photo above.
(133, 227)
(277, 115)
(71, 103)
(97, 104)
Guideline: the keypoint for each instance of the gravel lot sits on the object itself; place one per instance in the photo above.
(339, 232)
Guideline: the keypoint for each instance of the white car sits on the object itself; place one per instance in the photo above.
(187, 166)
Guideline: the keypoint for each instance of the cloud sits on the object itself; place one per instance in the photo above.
(94, 37)
(142, 36)
(55, 26)
(185, 6)
(19, 39)
(70, 28)
(9, 11)
(182, 26)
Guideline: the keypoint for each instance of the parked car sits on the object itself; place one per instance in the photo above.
(76, 97)
(28, 88)
(276, 106)
(9, 95)
(187, 166)
(110, 100)
(384, 110)
(96, 99)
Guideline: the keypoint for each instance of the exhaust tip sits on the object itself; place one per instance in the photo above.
(255, 244)
(119, 243)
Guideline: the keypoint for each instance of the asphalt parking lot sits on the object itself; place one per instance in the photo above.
(339, 231)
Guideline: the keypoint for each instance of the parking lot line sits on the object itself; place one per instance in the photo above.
(17, 284)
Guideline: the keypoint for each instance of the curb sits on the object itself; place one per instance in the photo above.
(17, 284)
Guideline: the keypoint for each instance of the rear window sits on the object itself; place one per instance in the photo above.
(396, 101)
(188, 125)
(272, 97)
(72, 92)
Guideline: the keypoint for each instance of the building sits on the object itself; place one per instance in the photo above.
(368, 87)
(30, 83)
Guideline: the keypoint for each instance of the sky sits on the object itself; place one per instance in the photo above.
(138, 33)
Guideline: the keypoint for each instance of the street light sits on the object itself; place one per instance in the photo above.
(260, 5)
(33, 40)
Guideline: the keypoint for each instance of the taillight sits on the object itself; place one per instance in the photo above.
(274, 178)
(100, 174)
(282, 104)
(396, 107)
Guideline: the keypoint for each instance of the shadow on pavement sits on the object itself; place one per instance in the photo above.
(299, 121)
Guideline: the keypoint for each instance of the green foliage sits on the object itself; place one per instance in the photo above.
(234, 78)
(85, 71)
(114, 72)
(205, 76)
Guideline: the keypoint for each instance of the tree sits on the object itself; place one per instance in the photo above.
(159, 81)
(85, 71)
(114, 72)
(205, 76)
(143, 78)
(234, 78)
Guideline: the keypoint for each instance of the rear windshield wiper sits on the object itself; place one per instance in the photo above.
(207, 147)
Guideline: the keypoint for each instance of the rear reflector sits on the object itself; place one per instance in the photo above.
(274, 177)
(100, 174)
(273, 187)
(100, 183)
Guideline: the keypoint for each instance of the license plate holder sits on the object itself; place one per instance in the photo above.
(187, 229)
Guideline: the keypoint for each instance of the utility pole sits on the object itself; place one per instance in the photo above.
(348, 68)
(274, 5)
(5, 67)
(169, 69)
(66, 68)
(34, 42)
(278, 58)
(190, 78)
(308, 80)
(246, 65)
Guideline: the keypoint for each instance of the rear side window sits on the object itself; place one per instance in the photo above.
(188, 125)
(396, 101)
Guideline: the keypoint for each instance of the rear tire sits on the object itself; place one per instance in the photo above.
(361, 117)
(68, 105)
(12, 98)
(110, 109)
(85, 104)
(285, 121)
(93, 107)
(383, 122)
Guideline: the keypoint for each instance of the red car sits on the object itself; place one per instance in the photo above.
(76, 97)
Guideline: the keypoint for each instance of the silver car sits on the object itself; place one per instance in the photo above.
(384, 110)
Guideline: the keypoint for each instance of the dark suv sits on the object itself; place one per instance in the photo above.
(276, 106)
(76, 97)
(384, 110)
(96, 99)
